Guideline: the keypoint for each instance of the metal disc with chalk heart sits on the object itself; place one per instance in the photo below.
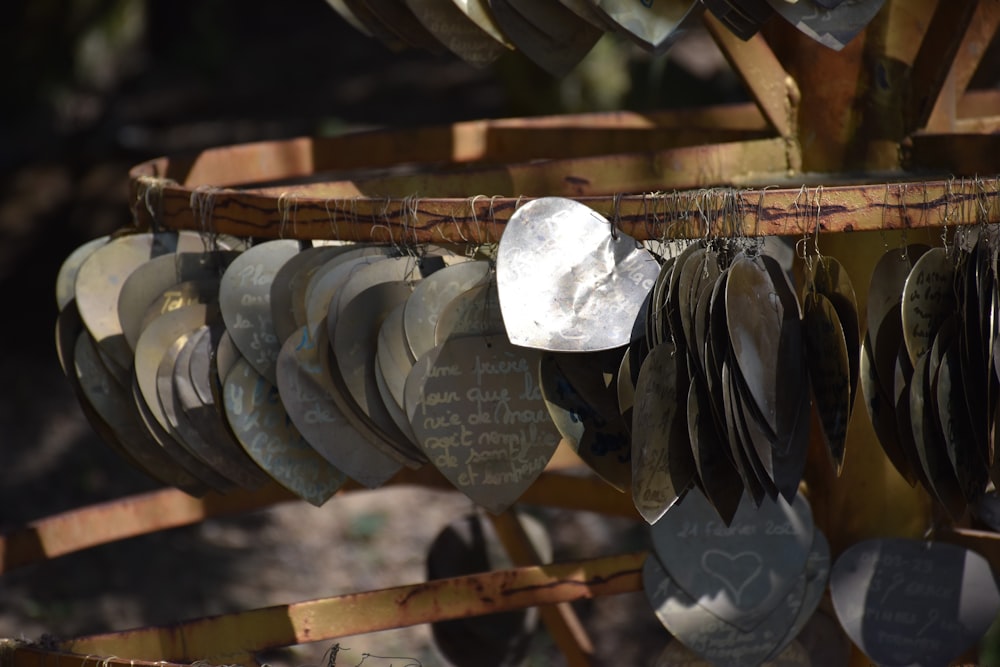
(742, 571)
(725, 644)
(908, 602)
(706, 634)
(566, 282)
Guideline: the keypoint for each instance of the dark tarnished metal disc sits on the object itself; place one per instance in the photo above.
(882, 413)
(908, 602)
(172, 446)
(626, 391)
(550, 35)
(884, 297)
(69, 327)
(585, 410)
(672, 317)
(696, 264)
(739, 441)
(790, 461)
(179, 427)
(830, 279)
(663, 467)
(115, 407)
(720, 480)
(967, 459)
(929, 437)
(403, 452)
(702, 323)
(766, 338)
(829, 372)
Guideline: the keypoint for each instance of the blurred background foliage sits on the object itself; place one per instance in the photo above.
(72, 67)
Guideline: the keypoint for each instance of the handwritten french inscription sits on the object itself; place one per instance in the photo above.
(260, 423)
(481, 418)
(245, 300)
(908, 602)
(928, 298)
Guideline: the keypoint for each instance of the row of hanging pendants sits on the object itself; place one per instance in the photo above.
(664, 374)
(929, 365)
(557, 34)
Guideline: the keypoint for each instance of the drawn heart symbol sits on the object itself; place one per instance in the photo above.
(735, 572)
(707, 558)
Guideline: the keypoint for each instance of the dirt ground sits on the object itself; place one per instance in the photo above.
(260, 74)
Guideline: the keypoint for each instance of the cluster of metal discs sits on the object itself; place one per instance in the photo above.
(728, 367)
(557, 34)
(219, 368)
(222, 367)
(930, 365)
